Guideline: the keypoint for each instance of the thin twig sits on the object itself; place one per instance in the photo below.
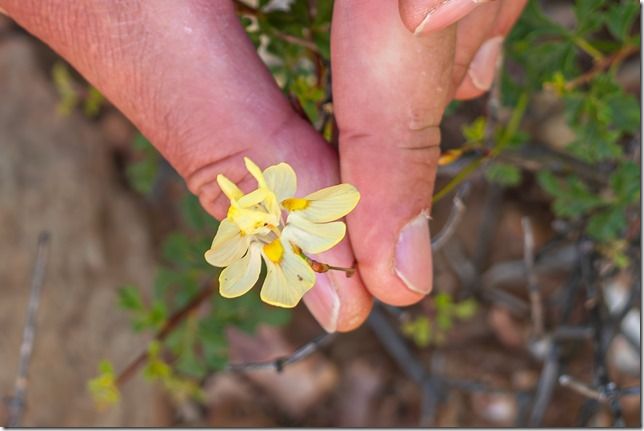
(582, 388)
(280, 363)
(602, 65)
(17, 403)
(453, 220)
(536, 306)
(546, 386)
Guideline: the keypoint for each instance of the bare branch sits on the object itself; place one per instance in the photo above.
(536, 306)
(17, 403)
(581, 388)
(280, 363)
(453, 221)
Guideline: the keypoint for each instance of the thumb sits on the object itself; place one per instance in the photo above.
(391, 89)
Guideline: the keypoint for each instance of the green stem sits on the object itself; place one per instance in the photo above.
(505, 139)
(585, 46)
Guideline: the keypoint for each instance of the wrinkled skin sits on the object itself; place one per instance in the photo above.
(188, 77)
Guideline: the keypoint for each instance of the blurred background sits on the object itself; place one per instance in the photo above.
(534, 319)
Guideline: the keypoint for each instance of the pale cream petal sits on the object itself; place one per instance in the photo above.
(281, 180)
(331, 203)
(255, 171)
(253, 198)
(229, 188)
(241, 276)
(288, 281)
(313, 237)
(228, 245)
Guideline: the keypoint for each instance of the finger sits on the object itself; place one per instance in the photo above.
(390, 90)
(428, 16)
(186, 74)
(479, 54)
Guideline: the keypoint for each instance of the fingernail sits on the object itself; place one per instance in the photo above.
(445, 14)
(324, 303)
(485, 62)
(414, 256)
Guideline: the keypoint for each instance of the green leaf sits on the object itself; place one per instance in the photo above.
(194, 214)
(130, 298)
(607, 224)
(620, 18)
(465, 309)
(588, 18)
(503, 174)
(625, 182)
(475, 131)
(572, 198)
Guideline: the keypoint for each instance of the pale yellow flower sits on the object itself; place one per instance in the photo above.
(254, 230)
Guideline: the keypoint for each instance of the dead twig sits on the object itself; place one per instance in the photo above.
(536, 305)
(17, 402)
(280, 363)
(453, 220)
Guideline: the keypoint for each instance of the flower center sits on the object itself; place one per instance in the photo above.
(294, 204)
(274, 250)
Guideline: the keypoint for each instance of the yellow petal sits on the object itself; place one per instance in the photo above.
(313, 237)
(255, 171)
(241, 276)
(228, 246)
(281, 180)
(330, 203)
(286, 283)
(253, 198)
(229, 188)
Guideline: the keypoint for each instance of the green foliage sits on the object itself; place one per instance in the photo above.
(73, 92)
(143, 172)
(103, 387)
(425, 331)
(503, 174)
(474, 133)
(296, 47)
(579, 64)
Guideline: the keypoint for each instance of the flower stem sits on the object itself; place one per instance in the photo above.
(325, 267)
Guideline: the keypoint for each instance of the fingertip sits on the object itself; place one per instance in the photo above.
(339, 303)
(467, 90)
(422, 17)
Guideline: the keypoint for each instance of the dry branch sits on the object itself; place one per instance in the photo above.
(17, 403)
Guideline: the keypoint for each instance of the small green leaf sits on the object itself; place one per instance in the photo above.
(130, 298)
(503, 174)
(625, 182)
(475, 131)
(620, 18)
(607, 224)
(465, 309)
(103, 387)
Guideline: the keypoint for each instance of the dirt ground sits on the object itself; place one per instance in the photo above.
(62, 175)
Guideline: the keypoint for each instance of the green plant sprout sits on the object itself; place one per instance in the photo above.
(425, 330)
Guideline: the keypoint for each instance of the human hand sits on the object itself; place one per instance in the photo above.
(187, 76)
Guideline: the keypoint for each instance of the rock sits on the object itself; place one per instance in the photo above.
(56, 176)
(500, 409)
